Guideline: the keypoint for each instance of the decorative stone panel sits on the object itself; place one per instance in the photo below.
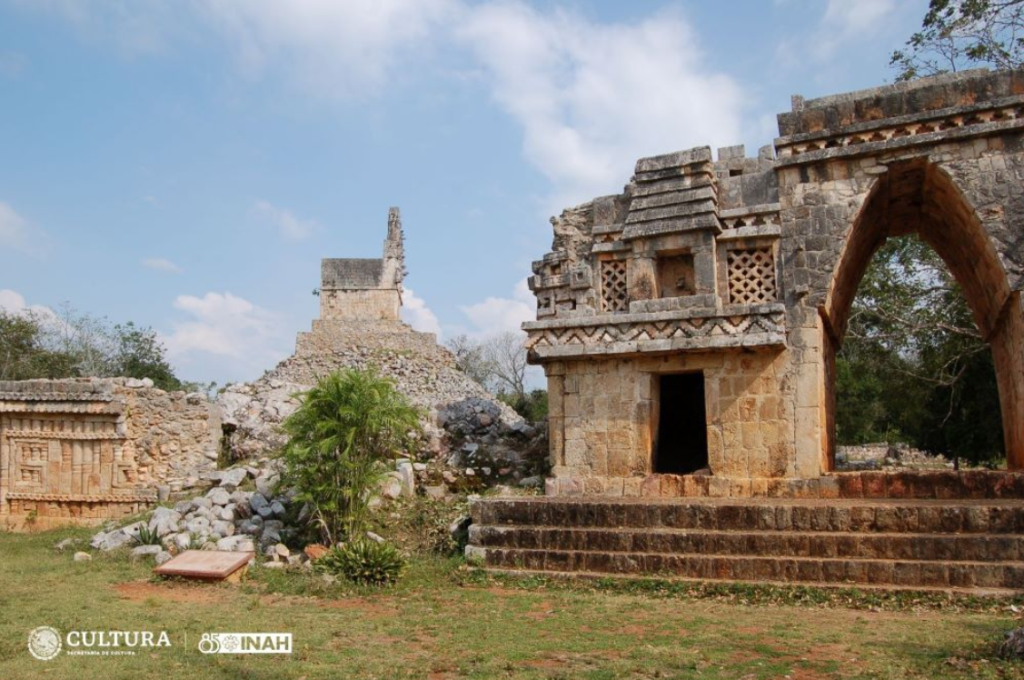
(751, 276)
(87, 450)
(614, 291)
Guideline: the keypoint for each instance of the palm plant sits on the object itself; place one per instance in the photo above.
(338, 438)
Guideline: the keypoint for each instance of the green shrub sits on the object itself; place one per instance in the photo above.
(364, 561)
(338, 439)
(147, 536)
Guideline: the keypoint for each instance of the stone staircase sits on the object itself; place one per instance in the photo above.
(962, 545)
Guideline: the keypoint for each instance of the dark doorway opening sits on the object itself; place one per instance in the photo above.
(682, 443)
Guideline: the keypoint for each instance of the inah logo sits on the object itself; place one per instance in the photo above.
(246, 643)
(44, 643)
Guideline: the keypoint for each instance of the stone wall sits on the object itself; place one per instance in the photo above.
(745, 268)
(91, 449)
(360, 304)
(606, 426)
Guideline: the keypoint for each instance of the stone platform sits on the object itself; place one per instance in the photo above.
(972, 545)
(895, 484)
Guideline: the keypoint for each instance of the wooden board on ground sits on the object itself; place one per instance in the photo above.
(207, 565)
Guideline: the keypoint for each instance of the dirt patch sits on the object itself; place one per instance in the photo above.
(369, 606)
(541, 611)
(140, 591)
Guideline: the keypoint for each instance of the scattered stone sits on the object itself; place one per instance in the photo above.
(164, 521)
(459, 529)
(67, 543)
(222, 529)
(82, 557)
(219, 496)
(232, 479)
(146, 551)
(198, 503)
(1012, 646)
(161, 557)
(534, 482)
(198, 525)
(315, 551)
(391, 487)
(236, 544)
(376, 538)
(281, 550)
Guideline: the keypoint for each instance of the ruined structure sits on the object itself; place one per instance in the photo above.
(691, 322)
(359, 326)
(360, 289)
(688, 328)
(83, 451)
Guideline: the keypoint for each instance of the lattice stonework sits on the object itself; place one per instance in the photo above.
(614, 296)
(751, 276)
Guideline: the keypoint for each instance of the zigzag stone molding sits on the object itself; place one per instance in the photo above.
(761, 326)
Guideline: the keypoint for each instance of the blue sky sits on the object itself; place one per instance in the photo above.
(185, 164)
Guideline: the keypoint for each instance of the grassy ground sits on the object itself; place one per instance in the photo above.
(443, 621)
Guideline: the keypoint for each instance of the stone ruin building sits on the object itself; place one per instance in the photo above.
(359, 326)
(88, 450)
(688, 328)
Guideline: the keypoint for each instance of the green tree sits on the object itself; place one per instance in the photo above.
(23, 354)
(346, 426)
(956, 34)
(913, 366)
(138, 353)
(69, 344)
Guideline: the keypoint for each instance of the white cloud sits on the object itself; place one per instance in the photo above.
(416, 313)
(843, 22)
(495, 315)
(225, 336)
(592, 98)
(333, 48)
(17, 233)
(161, 265)
(14, 302)
(289, 226)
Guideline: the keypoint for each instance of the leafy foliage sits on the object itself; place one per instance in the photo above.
(343, 430)
(913, 366)
(421, 525)
(68, 344)
(533, 406)
(147, 536)
(497, 362)
(956, 34)
(364, 561)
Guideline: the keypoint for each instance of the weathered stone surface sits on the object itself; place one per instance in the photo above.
(146, 551)
(742, 270)
(156, 440)
(164, 521)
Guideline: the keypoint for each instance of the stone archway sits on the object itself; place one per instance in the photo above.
(918, 197)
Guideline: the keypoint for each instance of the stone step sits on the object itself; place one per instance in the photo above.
(804, 544)
(883, 573)
(841, 515)
(865, 587)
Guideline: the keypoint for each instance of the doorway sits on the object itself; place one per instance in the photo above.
(681, 446)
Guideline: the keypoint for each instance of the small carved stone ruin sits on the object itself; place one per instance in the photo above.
(89, 450)
(361, 289)
(688, 328)
(690, 323)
